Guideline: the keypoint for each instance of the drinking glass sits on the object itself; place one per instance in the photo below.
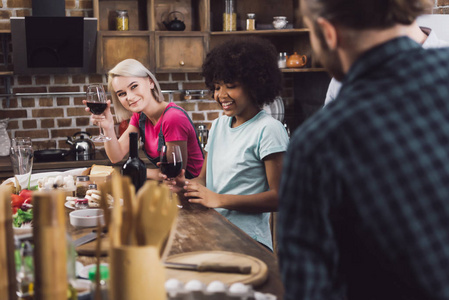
(96, 101)
(171, 162)
(21, 156)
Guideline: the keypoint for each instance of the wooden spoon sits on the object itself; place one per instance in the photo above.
(157, 212)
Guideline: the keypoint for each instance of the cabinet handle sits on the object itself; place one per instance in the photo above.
(181, 63)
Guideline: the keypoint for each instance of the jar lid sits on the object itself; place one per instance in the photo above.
(104, 272)
(251, 15)
(92, 186)
(82, 200)
(120, 12)
(82, 178)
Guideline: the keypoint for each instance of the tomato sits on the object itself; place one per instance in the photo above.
(17, 200)
(25, 194)
(28, 201)
(14, 210)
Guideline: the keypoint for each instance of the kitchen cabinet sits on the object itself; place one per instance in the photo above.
(148, 39)
(113, 47)
(180, 52)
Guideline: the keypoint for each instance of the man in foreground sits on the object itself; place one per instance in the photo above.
(363, 208)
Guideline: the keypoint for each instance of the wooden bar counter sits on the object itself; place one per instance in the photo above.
(202, 229)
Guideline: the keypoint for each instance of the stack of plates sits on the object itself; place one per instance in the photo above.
(276, 109)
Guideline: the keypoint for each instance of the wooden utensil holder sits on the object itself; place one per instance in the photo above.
(7, 263)
(136, 272)
(50, 246)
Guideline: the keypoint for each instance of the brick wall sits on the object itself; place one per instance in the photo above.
(49, 120)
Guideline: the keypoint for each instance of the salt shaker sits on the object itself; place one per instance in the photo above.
(251, 22)
(282, 60)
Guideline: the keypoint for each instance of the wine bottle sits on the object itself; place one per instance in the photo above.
(134, 167)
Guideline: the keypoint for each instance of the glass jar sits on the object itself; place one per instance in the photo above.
(229, 16)
(81, 204)
(122, 20)
(82, 185)
(251, 21)
(282, 60)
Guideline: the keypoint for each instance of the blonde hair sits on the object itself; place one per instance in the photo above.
(130, 68)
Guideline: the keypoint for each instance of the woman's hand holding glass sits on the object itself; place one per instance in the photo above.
(106, 120)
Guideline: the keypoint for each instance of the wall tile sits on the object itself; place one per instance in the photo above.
(13, 114)
(42, 79)
(47, 123)
(46, 102)
(47, 112)
(29, 124)
(63, 122)
(32, 133)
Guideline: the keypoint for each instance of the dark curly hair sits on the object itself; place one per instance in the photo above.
(252, 62)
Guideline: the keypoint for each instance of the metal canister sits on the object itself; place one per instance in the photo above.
(122, 20)
(203, 134)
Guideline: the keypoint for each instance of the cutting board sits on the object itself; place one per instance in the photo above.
(90, 249)
(258, 275)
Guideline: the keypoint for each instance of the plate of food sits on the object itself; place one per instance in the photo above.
(93, 198)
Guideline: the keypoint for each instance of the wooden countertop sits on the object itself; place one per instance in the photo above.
(203, 229)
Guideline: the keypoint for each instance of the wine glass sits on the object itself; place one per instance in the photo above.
(96, 101)
(171, 163)
(21, 156)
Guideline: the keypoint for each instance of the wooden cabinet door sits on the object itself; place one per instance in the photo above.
(115, 46)
(180, 51)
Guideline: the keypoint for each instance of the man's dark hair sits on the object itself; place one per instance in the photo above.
(367, 14)
(250, 61)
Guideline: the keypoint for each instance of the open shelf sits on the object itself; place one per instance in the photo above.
(276, 32)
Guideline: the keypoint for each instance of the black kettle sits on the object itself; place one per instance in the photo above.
(83, 148)
(175, 24)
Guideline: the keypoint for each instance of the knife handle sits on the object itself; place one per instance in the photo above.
(223, 267)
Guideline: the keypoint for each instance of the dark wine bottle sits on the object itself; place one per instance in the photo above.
(134, 167)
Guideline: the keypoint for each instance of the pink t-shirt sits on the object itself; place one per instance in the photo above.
(175, 127)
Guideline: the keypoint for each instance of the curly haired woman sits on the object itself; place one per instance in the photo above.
(242, 167)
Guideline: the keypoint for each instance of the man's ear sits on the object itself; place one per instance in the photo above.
(329, 32)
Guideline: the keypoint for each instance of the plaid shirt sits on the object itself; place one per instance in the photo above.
(364, 199)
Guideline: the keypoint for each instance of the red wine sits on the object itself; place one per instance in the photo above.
(97, 108)
(134, 167)
(171, 169)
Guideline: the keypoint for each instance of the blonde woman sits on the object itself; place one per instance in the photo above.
(136, 94)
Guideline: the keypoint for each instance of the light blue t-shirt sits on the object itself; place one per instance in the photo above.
(235, 166)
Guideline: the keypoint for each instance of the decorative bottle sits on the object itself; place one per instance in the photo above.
(134, 167)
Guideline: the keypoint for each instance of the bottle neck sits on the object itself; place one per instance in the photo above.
(133, 146)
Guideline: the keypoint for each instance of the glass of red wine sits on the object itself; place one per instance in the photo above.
(96, 101)
(171, 162)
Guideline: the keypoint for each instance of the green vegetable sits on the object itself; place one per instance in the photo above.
(21, 217)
